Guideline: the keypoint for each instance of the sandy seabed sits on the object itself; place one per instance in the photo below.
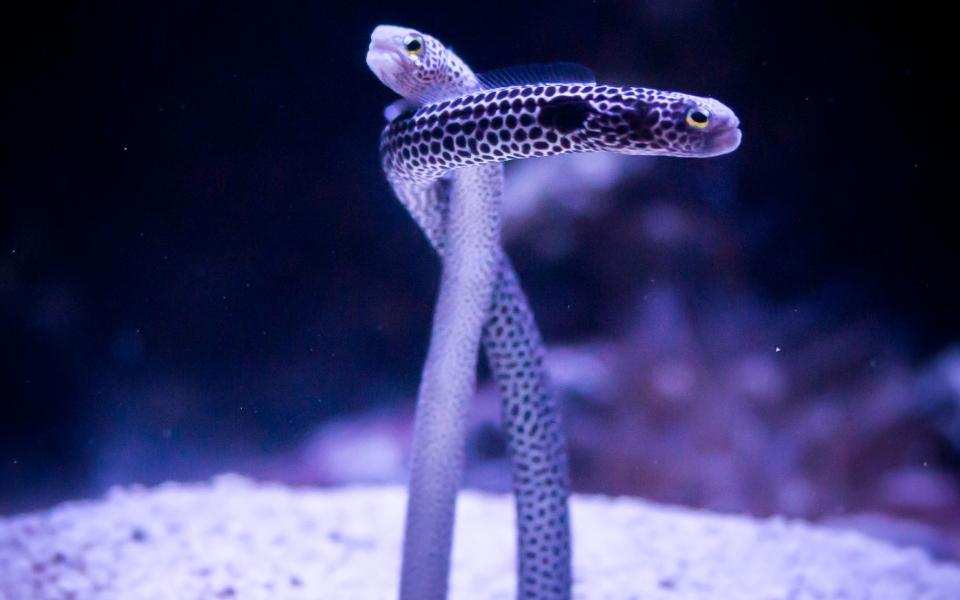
(235, 538)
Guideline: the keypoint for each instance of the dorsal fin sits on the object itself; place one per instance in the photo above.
(563, 72)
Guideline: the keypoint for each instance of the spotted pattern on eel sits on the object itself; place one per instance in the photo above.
(513, 346)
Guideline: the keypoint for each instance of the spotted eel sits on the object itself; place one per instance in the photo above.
(490, 126)
(419, 67)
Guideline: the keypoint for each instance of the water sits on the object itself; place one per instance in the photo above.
(202, 269)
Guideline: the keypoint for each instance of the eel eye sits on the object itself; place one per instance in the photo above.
(698, 117)
(413, 44)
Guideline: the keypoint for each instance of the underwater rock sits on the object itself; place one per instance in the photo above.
(235, 538)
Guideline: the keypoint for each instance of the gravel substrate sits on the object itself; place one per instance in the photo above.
(234, 538)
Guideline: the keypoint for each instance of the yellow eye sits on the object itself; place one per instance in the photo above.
(413, 44)
(698, 117)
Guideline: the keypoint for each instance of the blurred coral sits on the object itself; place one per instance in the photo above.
(705, 394)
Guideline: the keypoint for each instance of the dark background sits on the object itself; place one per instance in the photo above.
(199, 256)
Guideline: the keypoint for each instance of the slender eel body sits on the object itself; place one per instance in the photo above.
(515, 353)
(546, 120)
(466, 286)
(450, 136)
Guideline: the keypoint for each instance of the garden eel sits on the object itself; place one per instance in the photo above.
(418, 67)
(440, 157)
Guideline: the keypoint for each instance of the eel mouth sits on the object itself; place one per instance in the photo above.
(724, 139)
(384, 63)
(384, 56)
(724, 142)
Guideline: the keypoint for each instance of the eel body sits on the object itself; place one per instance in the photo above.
(470, 262)
(434, 156)
(528, 121)
(514, 350)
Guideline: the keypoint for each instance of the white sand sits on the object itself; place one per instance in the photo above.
(237, 539)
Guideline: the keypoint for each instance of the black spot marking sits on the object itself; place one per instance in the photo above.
(564, 113)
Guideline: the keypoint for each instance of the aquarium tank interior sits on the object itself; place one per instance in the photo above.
(207, 272)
